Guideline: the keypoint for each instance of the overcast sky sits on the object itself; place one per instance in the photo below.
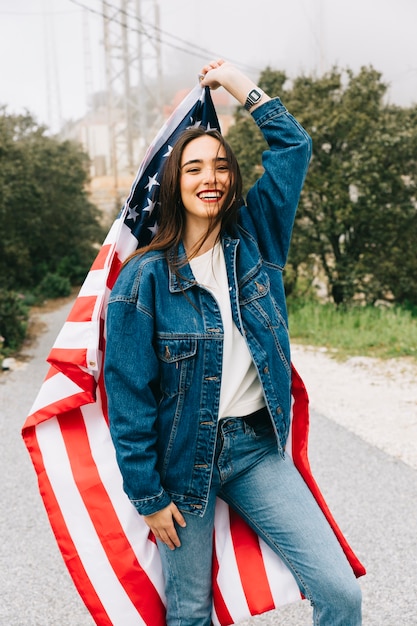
(44, 46)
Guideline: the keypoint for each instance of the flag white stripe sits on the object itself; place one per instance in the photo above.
(54, 389)
(283, 586)
(126, 243)
(94, 282)
(77, 335)
(116, 602)
(134, 527)
(114, 231)
(228, 576)
(215, 620)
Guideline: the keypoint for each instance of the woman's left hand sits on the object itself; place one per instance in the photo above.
(208, 77)
(221, 73)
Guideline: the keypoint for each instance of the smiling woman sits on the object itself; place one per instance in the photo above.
(198, 367)
(200, 194)
(204, 182)
(205, 185)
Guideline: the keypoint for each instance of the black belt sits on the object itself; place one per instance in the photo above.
(258, 417)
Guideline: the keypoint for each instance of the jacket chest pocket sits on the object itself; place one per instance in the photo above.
(257, 299)
(176, 363)
(254, 289)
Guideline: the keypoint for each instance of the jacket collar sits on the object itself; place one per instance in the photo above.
(185, 278)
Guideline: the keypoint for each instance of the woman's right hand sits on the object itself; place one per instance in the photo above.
(162, 525)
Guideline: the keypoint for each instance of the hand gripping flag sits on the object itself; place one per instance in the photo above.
(106, 545)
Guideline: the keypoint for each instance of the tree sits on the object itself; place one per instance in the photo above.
(47, 223)
(387, 267)
(357, 218)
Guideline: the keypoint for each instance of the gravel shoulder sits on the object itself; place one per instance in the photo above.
(375, 399)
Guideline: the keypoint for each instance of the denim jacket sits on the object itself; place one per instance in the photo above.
(163, 362)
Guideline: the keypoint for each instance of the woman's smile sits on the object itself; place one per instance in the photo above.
(205, 179)
(210, 195)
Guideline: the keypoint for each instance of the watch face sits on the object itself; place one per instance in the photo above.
(254, 95)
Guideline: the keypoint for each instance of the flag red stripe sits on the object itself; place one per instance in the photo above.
(103, 397)
(69, 361)
(101, 258)
(300, 426)
(83, 309)
(56, 408)
(114, 271)
(52, 371)
(63, 538)
(222, 612)
(102, 338)
(251, 566)
(122, 558)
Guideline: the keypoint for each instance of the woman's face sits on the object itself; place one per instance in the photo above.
(204, 179)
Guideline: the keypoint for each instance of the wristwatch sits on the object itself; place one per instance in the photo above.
(253, 98)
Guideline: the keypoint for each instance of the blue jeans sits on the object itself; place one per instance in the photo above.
(269, 493)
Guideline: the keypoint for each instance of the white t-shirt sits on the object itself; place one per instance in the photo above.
(241, 391)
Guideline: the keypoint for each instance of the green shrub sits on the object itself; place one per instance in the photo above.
(31, 298)
(13, 320)
(54, 286)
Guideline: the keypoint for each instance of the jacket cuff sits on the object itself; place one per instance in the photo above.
(147, 506)
(267, 110)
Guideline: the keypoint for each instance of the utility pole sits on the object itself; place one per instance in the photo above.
(322, 43)
(133, 79)
(88, 72)
(88, 65)
(111, 123)
(128, 103)
(54, 108)
(149, 67)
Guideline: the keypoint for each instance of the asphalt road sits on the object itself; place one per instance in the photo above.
(372, 496)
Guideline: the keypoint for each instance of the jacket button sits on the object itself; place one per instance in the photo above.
(266, 369)
(279, 410)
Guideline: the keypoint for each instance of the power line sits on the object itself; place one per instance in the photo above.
(317, 37)
(36, 13)
(183, 41)
(191, 48)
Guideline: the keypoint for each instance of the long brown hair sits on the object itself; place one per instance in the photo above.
(171, 220)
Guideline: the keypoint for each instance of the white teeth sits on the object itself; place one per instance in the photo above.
(209, 196)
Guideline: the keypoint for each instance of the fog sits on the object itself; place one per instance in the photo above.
(51, 51)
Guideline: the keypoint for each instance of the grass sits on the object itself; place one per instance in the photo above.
(367, 331)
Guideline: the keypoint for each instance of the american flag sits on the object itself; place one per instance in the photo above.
(109, 552)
